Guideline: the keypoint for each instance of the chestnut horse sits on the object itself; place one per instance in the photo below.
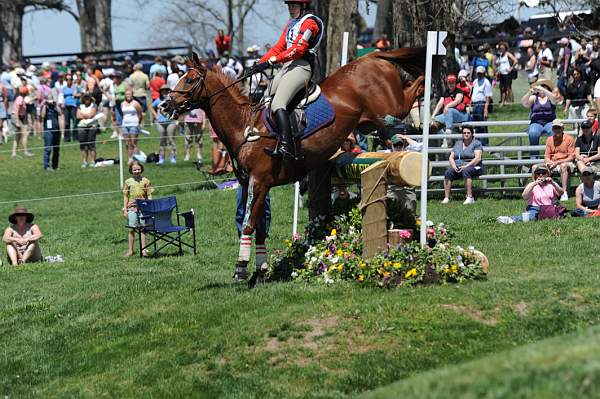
(361, 92)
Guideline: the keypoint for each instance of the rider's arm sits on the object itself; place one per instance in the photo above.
(308, 29)
(278, 48)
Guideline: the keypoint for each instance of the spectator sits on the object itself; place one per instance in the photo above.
(222, 42)
(465, 162)
(88, 128)
(194, 123)
(587, 194)
(155, 84)
(480, 99)
(230, 66)
(491, 58)
(173, 77)
(577, 96)
(107, 105)
(564, 62)
(586, 149)
(70, 94)
(542, 104)
(540, 192)
(166, 127)
(132, 117)
(92, 88)
(597, 94)
(450, 109)
(157, 67)
(545, 60)
(59, 86)
(531, 67)
(559, 156)
(505, 63)
(134, 188)
(3, 111)
(120, 89)
(140, 84)
(479, 61)
(50, 115)
(591, 117)
(31, 104)
(20, 119)
(22, 238)
(383, 43)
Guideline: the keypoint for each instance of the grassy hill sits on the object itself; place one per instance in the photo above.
(103, 325)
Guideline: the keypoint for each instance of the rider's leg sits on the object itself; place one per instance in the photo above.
(294, 78)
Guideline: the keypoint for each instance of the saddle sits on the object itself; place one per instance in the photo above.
(309, 111)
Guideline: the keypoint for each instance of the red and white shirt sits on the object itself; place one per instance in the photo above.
(299, 37)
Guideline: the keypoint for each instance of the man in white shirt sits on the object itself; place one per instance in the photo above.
(545, 59)
(481, 96)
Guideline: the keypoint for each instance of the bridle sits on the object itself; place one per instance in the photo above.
(188, 104)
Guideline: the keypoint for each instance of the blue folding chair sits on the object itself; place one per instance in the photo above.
(156, 218)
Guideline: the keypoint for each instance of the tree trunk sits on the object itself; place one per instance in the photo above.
(342, 18)
(321, 9)
(240, 28)
(95, 26)
(11, 30)
(383, 19)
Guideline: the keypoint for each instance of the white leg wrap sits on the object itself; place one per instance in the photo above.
(245, 247)
(261, 257)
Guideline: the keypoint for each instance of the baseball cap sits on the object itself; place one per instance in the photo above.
(397, 139)
(541, 169)
(588, 171)
(557, 123)
(451, 78)
(462, 73)
(563, 40)
(586, 124)
(480, 69)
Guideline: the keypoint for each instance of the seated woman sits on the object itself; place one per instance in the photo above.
(451, 109)
(587, 194)
(541, 100)
(22, 237)
(465, 162)
(586, 149)
(541, 191)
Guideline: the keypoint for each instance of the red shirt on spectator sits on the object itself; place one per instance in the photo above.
(155, 85)
(223, 43)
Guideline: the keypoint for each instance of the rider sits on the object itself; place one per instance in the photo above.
(296, 49)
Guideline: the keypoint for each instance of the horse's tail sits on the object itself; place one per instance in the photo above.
(410, 59)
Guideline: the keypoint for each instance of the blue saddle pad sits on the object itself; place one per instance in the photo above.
(318, 114)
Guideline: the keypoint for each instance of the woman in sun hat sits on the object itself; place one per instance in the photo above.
(21, 238)
(541, 100)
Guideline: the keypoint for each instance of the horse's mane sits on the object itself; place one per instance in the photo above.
(235, 91)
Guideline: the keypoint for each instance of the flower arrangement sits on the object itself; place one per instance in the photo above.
(338, 257)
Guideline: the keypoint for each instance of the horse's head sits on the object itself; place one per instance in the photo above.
(187, 93)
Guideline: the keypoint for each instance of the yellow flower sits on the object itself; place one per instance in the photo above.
(340, 267)
(418, 223)
(454, 269)
(386, 263)
(326, 252)
(334, 232)
(397, 265)
(362, 265)
(339, 252)
(410, 273)
(386, 274)
(361, 277)
(288, 243)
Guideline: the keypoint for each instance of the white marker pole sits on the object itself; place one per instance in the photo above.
(345, 38)
(296, 206)
(121, 161)
(434, 46)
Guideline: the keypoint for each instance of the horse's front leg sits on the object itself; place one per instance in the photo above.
(255, 205)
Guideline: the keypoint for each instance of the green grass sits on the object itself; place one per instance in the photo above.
(103, 325)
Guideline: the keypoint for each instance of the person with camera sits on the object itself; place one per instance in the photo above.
(541, 101)
(541, 191)
(559, 156)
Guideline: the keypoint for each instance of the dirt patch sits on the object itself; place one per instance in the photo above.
(521, 308)
(315, 329)
(474, 314)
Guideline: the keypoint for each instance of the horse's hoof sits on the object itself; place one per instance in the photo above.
(240, 274)
(257, 278)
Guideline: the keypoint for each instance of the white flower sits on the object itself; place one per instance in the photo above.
(441, 225)
(471, 248)
(327, 279)
(294, 274)
(335, 259)
(429, 223)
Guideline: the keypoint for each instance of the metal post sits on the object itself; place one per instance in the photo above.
(296, 206)
(345, 38)
(431, 44)
(121, 161)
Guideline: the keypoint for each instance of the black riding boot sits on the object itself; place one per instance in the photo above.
(286, 146)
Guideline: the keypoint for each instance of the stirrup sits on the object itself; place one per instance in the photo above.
(240, 273)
